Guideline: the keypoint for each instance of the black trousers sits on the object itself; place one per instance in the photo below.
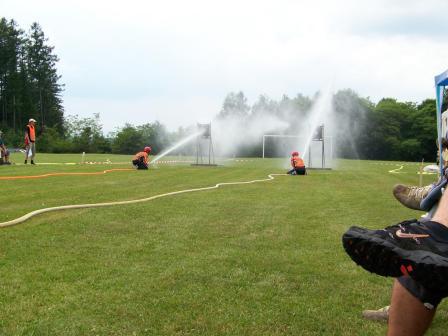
(298, 171)
(140, 164)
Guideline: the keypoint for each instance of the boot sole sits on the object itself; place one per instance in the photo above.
(386, 259)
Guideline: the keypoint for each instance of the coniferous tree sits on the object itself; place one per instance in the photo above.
(43, 79)
(29, 83)
(11, 41)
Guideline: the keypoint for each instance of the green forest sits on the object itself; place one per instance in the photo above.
(30, 87)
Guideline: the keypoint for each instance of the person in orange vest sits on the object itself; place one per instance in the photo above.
(141, 159)
(30, 141)
(298, 166)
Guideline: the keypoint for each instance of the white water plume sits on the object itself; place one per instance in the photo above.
(318, 115)
(240, 132)
(177, 145)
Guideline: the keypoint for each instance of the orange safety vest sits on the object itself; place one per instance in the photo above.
(32, 133)
(141, 154)
(297, 162)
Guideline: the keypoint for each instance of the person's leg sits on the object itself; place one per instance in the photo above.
(434, 194)
(141, 164)
(441, 214)
(33, 151)
(300, 171)
(27, 152)
(408, 316)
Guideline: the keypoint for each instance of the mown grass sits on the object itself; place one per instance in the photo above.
(259, 259)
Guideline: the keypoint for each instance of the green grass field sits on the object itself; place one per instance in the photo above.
(258, 259)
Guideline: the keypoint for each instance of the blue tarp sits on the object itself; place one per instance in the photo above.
(440, 81)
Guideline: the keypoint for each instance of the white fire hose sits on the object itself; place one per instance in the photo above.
(97, 205)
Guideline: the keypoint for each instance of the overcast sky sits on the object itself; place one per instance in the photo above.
(175, 61)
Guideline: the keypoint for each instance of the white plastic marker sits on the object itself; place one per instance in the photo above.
(97, 205)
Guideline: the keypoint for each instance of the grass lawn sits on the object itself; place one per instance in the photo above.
(257, 259)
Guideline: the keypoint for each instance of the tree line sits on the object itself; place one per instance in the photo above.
(361, 129)
(387, 130)
(29, 83)
(30, 88)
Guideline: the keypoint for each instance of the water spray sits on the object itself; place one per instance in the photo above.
(322, 106)
(177, 145)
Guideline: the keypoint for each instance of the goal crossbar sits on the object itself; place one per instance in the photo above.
(295, 137)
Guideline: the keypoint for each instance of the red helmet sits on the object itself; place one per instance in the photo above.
(295, 153)
(147, 149)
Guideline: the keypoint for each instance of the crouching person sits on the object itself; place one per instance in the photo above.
(4, 153)
(298, 166)
(141, 159)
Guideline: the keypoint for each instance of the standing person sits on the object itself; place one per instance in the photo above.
(141, 160)
(4, 153)
(298, 166)
(30, 141)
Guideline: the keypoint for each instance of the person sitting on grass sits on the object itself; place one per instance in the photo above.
(298, 166)
(141, 160)
(4, 153)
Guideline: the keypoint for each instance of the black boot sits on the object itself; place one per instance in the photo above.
(32, 162)
(25, 161)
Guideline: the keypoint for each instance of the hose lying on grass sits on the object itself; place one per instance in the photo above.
(97, 205)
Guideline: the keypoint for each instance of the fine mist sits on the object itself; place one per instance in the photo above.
(242, 136)
(238, 130)
(314, 136)
(342, 115)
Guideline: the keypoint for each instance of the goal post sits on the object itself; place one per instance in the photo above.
(277, 136)
(318, 154)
